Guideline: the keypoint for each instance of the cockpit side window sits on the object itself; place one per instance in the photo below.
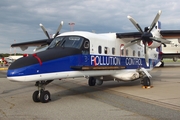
(55, 42)
(86, 46)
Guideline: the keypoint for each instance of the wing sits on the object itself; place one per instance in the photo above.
(36, 43)
(170, 34)
(128, 35)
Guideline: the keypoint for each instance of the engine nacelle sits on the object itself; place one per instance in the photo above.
(154, 44)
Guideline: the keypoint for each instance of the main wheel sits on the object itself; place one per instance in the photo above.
(45, 96)
(92, 81)
(146, 81)
(35, 96)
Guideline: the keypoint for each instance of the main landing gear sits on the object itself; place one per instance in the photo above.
(146, 82)
(146, 78)
(41, 95)
(93, 81)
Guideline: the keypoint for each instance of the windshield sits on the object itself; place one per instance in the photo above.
(67, 41)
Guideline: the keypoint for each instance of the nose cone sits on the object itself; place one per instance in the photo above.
(19, 67)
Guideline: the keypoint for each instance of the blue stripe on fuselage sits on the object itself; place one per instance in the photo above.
(65, 63)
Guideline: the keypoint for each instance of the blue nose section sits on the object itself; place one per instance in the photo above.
(15, 72)
(51, 60)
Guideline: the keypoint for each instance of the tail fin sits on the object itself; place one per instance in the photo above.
(159, 50)
(158, 25)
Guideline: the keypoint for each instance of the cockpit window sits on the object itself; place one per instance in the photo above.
(67, 41)
(56, 41)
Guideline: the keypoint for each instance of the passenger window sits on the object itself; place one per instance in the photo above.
(127, 52)
(134, 53)
(113, 50)
(106, 50)
(122, 52)
(139, 54)
(99, 49)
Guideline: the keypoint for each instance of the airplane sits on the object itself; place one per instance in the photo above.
(12, 58)
(171, 51)
(101, 57)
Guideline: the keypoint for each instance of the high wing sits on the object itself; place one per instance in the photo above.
(36, 43)
(170, 34)
(128, 36)
(39, 43)
(166, 34)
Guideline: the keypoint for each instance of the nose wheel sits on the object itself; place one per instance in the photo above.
(41, 95)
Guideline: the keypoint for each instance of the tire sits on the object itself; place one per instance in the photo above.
(35, 96)
(92, 81)
(99, 82)
(146, 81)
(45, 96)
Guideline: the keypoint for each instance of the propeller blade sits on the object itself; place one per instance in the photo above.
(132, 43)
(44, 30)
(155, 21)
(145, 45)
(147, 59)
(146, 54)
(160, 40)
(59, 28)
(135, 24)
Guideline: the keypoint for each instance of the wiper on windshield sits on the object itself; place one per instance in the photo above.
(62, 42)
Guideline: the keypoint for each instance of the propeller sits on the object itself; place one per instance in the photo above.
(146, 35)
(49, 39)
(46, 33)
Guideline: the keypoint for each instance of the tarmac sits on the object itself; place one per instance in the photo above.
(73, 99)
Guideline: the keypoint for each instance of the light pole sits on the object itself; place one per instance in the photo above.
(72, 26)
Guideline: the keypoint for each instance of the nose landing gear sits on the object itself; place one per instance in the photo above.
(41, 95)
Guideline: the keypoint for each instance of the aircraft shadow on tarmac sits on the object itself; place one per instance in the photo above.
(87, 90)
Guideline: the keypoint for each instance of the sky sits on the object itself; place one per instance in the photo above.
(20, 19)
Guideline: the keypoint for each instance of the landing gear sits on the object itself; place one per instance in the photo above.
(35, 96)
(92, 81)
(145, 78)
(99, 82)
(45, 97)
(146, 81)
(41, 95)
